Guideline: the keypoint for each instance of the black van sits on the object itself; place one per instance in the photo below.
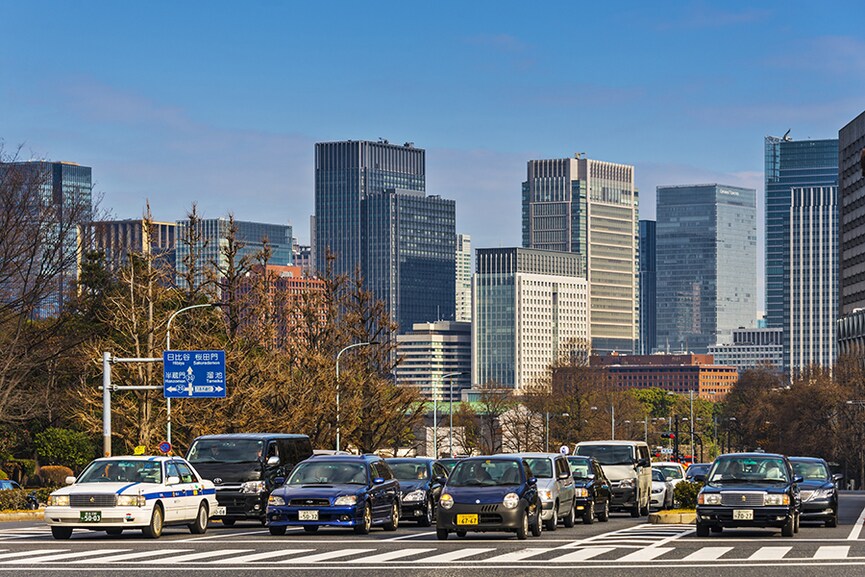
(243, 467)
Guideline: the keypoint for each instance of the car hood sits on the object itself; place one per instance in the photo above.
(739, 487)
(407, 486)
(230, 473)
(815, 484)
(482, 495)
(318, 491)
(108, 488)
(618, 472)
(659, 484)
(583, 482)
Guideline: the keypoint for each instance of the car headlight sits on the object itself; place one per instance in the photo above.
(658, 490)
(776, 499)
(511, 501)
(414, 496)
(275, 501)
(131, 500)
(252, 487)
(823, 493)
(581, 492)
(58, 500)
(546, 495)
(446, 501)
(709, 499)
(627, 483)
(345, 500)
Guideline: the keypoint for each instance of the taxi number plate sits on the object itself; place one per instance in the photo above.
(467, 519)
(220, 511)
(307, 515)
(743, 514)
(90, 516)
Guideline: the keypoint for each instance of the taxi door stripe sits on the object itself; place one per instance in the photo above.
(121, 489)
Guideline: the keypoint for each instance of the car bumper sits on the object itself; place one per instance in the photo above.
(623, 498)
(241, 505)
(490, 517)
(817, 509)
(659, 499)
(582, 504)
(763, 516)
(413, 509)
(547, 510)
(112, 517)
(348, 516)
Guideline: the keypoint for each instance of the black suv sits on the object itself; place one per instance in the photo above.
(243, 467)
(749, 490)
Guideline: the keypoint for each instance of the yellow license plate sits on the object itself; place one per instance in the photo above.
(467, 519)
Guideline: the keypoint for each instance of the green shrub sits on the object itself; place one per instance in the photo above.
(13, 499)
(66, 447)
(54, 475)
(685, 494)
(20, 470)
(3, 475)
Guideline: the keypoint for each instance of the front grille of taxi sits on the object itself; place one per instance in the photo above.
(92, 500)
(742, 499)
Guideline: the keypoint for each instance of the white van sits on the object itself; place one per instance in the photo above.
(628, 467)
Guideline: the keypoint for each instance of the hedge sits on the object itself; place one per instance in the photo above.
(685, 494)
(16, 499)
(3, 475)
(54, 475)
(56, 446)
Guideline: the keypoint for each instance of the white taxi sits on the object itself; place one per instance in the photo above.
(147, 493)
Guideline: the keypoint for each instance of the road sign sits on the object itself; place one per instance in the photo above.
(165, 447)
(564, 450)
(193, 374)
(666, 450)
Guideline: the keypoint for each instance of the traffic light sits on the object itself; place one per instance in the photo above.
(668, 435)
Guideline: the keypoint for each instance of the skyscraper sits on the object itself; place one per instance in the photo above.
(118, 239)
(791, 164)
(464, 278)
(590, 208)
(428, 352)
(648, 290)
(851, 181)
(706, 242)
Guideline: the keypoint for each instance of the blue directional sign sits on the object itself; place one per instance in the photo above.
(193, 374)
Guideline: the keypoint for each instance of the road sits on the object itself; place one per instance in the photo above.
(623, 546)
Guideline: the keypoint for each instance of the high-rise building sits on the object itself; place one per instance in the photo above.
(590, 208)
(790, 164)
(648, 290)
(430, 354)
(530, 310)
(464, 278)
(706, 242)
(751, 348)
(851, 182)
(117, 239)
(372, 213)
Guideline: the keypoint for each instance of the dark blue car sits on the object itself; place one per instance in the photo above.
(337, 491)
(421, 480)
(817, 490)
(497, 493)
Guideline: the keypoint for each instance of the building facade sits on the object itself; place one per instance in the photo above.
(431, 351)
(118, 239)
(706, 242)
(752, 348)
(648, 288)
(851, 224)
(590, 208)
(464, 278)
(530, 309)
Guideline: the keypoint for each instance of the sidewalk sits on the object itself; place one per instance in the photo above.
(37, 515)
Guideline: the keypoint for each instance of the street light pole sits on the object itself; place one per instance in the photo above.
(450, 414)
(339, 354)
(168, 348)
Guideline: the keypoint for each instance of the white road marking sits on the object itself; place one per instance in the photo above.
(707, 554)
(769, 553)
(196, 556)
(259, 556)
(645, 554)
(327, 556)
(224, 536)
(66, 556)
(582, 554)
(412, 536)
(455, 555)
(827, 552)
(131, 556)
(390, 555)
(34, 552)
(515, 555)
(857, 527)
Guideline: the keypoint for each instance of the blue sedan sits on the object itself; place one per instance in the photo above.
(336, 491)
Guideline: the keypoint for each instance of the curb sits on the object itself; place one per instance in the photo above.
(37, 515)
(673, 518)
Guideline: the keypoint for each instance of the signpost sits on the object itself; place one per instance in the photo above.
(193, 374)
(165, 447)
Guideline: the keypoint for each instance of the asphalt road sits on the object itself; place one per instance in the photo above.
(622, 546)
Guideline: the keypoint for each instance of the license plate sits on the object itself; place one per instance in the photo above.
(743, 514)
(467, 519)
(220, 511)
(307, 515)
(90, 516)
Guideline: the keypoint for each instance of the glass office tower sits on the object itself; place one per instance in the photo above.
(648, 291)
(706, 242)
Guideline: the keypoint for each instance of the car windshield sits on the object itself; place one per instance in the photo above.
(409, 470)
(542, 468)
(669, 471)
(658, 476)
(448, 464)
(486, 473)
(749, 469)
(317, 472)
(811, 470)
(697, 470)
(608, 454)
(121, 471)
(225, 451)
(581, 468)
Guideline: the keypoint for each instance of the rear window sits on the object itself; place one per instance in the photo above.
(608, 454)
(541, 467)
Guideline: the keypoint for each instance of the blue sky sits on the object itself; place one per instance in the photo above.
(220, 103)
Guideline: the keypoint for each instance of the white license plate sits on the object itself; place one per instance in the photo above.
(220, 511)
(307, 515)
(743, 514)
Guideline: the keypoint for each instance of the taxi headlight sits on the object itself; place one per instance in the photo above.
(581, 492)
(275, 501)
(416, 495)
(252, 487)
(511, 501)
(708, 499)
(58, 500)
(345, 500)
(131, 500)
(776, 499)
(446, 501)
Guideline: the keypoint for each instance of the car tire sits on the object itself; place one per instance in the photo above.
(589, 514)
(716, 528)
(553, 522)
(635, 511)
(426, 519)
(366, 525)
(393, 522)
(571, 517)
(442, 534)
(114, 532)
(604, 515)
(229, 522)
(277, 529)
(310, 528)
(644, 511)
(833, 520)
(61, 532)
(538, 526)
(523, 529)
(157, 522)
(796, 524)
(461, 534)
(789, 528)
(199, 526)
(702, 530)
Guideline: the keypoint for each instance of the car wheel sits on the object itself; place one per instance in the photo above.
(589, 514)
(442, 534)
(702, 530)
(796, 525)
(310, 528)
(61, 532)
(716, 528)
(114, 532)
(393, 523)
(571, 517)
(635, 511)
(199, 526)
(553, 522)
(645, 510)
(523, 529)
(789, 528)
(427, 518)
(538, 526)
(833, 520)
(277, 529)
(461, 533)
(605, 514)
(228, 522)
(157, 519)
(366, 522)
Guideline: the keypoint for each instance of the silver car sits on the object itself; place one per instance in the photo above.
(555, 487)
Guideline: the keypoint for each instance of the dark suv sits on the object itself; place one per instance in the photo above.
(749, 490)
(243, 467)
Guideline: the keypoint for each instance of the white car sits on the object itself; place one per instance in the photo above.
(662, 491)
(672, 471)
(147, 493)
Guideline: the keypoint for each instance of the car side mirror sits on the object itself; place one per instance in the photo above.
(837, 477)
(378, 481)
(172, 481)
(564, 476)
(644, 463)
(69, 480)
(532, 481)
(440, 480)
(272, 461)
(798, 479)
(279, 481)
(699, 479)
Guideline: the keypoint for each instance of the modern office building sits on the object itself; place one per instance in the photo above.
(301, 255)
(851, 182)
(65, 189)
(706, 242)
(648, 289)
(530, 310)
(118, 239)
(429, 355)
(208, 246)
(464, 278)
(752, 348)
(590, 208)
(789, 165)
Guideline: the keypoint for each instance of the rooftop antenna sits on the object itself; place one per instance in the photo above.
(787, 137)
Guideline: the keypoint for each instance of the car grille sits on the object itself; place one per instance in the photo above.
(489, 519)
(806, 495)
(309, 503)
(91, 500)
(489, 508)
(742, 499)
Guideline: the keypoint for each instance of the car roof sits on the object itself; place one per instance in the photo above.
(346, 458)
(752, 455)
(623, 443)
(671, 463)
(255, 436)
(409, 459)
(139, 458)
(536, 455)
(502, 457)
(807, 459)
